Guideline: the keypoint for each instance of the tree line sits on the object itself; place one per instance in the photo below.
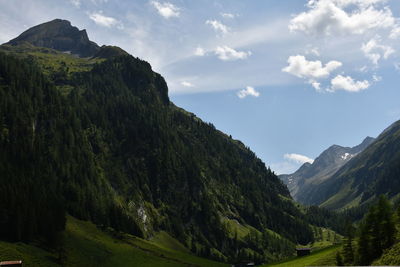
(367, 241)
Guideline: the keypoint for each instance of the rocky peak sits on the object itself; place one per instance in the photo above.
(60, 35)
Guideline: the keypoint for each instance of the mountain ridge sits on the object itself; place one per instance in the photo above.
(372, 173)
(324, 166)
(60, 35)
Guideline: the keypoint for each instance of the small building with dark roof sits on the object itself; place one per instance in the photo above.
(10, 263)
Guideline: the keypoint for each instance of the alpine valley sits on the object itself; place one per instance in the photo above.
(90, 131)
(99, 168)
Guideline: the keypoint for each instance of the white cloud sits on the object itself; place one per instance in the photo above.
(374, 51)
(376, 78)
(199, 51)
(313, 51)
(316, 85)
(302, 68)
(298, 158)
(363, 69)
(227, 53)
(187, 84)
(249, 91)
(166, 9)
(76, 3)
(397, 66)
(218, 26)
(228, 15)
(329, 17)
(97, 2)
(395, 33)
(348, 84)
(361, 3)
(105, 21)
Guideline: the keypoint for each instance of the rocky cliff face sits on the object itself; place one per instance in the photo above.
(59, 35)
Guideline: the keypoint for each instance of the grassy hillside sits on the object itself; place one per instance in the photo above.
(324, 257)
(86, 245)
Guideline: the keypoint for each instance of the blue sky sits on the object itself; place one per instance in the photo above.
(288, 78)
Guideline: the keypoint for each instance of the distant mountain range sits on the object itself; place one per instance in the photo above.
(347, 177)
(309, 175)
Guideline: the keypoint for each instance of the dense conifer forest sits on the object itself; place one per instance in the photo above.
(97, 139)
(114, 150)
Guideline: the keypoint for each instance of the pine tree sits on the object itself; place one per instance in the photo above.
(387, 225)
(363, 250)
(339, 260)
(348, 245)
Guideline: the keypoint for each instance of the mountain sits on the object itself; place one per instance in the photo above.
(98, 138)
(59, 35)
(371, 173)
(310, 176)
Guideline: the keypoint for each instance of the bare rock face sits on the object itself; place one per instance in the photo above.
(59, 35)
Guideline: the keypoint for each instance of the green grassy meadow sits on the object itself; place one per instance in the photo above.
(323, 257)
(86, 245)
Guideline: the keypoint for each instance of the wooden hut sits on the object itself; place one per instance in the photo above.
(10, 263)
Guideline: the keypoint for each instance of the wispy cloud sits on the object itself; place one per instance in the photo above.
(166, 9)
(395, 33)
(98, 2)
(76, 3)
(199, 51)
(228, 15)
(104, 21)
(298, 158)
(187, 84)
(249, 91)
(374, 51)
(218, 26)
(227, 53)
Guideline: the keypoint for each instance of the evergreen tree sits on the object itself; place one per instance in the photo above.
(339, 259)
(387, 225)
(364, 246)
(348, 253)
(377, 232)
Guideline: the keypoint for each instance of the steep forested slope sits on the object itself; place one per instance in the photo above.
(99, 139)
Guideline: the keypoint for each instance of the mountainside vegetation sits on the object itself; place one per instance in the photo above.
(99, 139)
(84, 244)
(374, 239)
(373, 172)
(304, 183)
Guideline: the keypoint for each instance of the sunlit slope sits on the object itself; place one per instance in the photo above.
(86, 245)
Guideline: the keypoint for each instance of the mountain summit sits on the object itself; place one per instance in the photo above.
(325, 165)
(60, 35)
